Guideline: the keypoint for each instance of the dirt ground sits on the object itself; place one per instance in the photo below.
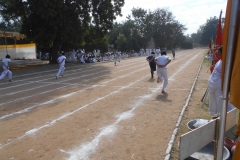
(98, 111)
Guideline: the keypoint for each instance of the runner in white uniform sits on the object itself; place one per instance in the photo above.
(158, 51)
(61, 62)
(6, 70)
(117, 57)
(161, 62)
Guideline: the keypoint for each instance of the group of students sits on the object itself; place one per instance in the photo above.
(159, 64)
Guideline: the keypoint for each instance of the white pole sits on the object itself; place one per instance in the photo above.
(227, 75)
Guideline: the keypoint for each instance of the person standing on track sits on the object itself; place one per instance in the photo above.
(61, 62)
(158, 51)
(173, 53)
(161, 62)
(6, 70)
(117, 57)
(152, 63)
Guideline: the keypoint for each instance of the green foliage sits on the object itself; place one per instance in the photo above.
(196, 37)
(209, 30)
(143, 25)
(69, 24)
(121, 42)
(187, 45)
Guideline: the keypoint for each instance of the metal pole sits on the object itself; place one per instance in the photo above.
(227, 75)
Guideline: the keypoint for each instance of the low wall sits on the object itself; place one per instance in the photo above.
(19, 51)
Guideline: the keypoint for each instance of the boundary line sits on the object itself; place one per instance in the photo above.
(175, 131)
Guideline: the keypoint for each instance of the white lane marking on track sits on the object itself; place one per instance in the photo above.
(23, 98)
(55, 70)
(64, 116)
(77, 71)
(84, 150)
(60, 82)
(52, 78)
(64, 96)
(49, 83)
(51, 101)
(33, 131)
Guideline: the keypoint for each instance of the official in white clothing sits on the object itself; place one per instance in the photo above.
(6, 70)
(161, 62)
(61, 62)
(214, 88)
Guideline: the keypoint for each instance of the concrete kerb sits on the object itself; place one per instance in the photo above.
(171, 142)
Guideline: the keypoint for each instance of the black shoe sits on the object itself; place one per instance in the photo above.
(56, 77)
(163, 92)
(9, 80)
(62, 75)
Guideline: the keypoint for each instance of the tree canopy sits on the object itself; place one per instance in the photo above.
(143, 26)
(63, 23)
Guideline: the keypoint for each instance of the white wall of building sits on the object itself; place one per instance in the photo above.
(19, 51)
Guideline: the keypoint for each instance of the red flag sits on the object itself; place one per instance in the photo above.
(219, 36)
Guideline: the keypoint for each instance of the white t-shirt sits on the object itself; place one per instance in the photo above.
(217, 72)
(62, 57)
(5, 62)
(158, 51)
(162, 60)
(214, 80)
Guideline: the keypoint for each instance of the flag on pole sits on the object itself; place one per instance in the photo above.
(235, 75)
(235, 66)
(218, 43)
(219, 36)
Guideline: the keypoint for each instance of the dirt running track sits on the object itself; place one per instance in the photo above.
(95, 111)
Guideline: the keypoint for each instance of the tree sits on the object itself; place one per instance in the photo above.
(142, 27)
(121, 42)
(167, 31)
(56, 22)
(209, 30)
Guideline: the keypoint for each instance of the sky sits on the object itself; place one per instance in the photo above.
(191, 13)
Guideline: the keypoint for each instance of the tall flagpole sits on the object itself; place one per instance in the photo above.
(227, 76)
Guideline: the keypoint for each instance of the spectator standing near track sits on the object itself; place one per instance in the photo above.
(61, 62)
(161, 62)
(215, 90)
(173, 53)
(6, 70)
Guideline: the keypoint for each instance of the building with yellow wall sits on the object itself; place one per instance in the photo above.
(18, 51)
